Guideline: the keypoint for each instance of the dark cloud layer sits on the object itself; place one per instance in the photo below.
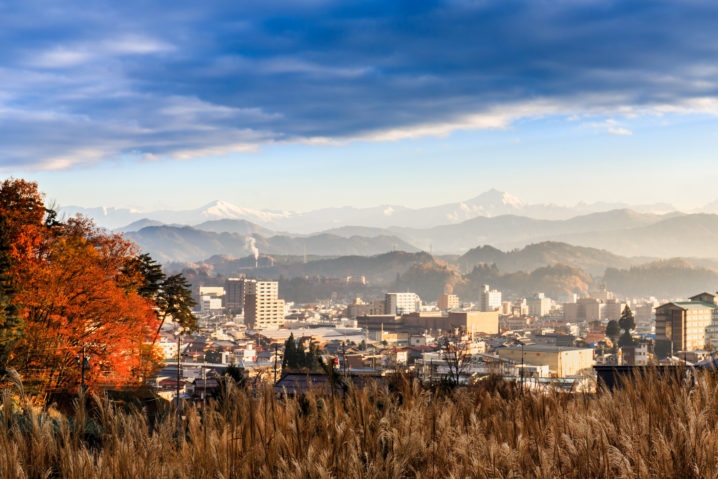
(86, 81)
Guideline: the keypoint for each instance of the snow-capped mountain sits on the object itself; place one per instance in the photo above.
(491, 203)
(219, 210)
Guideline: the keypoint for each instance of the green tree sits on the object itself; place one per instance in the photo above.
(174, 300)
(148, 272)
(172, 295)
(613, 330)
(626, 322)
(297, 359)
(290, 353)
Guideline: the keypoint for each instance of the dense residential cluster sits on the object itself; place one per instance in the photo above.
(537, 340)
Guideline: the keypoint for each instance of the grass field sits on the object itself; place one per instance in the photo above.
(650, 429)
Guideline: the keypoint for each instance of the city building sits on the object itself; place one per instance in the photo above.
(489, 299)
(447, 302)
(210, 304)
(636, 355)
(585, 309)
(358, 308)
(401, 303)
(234, 294)
(602, 293)
(475, 322)
(262, 307)
(562, 362)
(538, 305)
(684, 324)
(216, 291)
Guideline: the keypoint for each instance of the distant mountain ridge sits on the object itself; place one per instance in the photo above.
(488, 204)
(591, 260)
(187, 244)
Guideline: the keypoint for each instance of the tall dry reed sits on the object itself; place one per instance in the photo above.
(650, 428)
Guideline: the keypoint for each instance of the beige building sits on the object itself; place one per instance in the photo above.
(562, 362)
(262, 308)
(475, 322)
(538, 305)
(684, 324)
(489, 299)
(401, 303)
(358, 308)
(447, 301)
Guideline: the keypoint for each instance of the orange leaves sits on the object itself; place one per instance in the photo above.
(72, 294)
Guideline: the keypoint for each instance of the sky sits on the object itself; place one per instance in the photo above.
(306, 104)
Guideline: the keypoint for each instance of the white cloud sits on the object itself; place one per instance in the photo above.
(620, 131)
(82, 53)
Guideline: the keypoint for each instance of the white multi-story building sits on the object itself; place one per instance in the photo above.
(401, 303)
(490, 299)
(539, 305)
(262, 307)
(209, 303)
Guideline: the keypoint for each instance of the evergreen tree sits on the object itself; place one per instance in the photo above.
(175, 300)
(290, 353)
(301, 361)
(613, 330)
(626, 322)
(148, 272)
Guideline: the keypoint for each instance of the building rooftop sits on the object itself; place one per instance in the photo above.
(546, 348)
(692, 304)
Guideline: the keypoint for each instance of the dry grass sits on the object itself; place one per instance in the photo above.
(655, 429)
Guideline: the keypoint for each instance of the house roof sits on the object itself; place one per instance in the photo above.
(690, 305)
(545, 348)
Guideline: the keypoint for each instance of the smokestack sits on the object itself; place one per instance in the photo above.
(251, 244)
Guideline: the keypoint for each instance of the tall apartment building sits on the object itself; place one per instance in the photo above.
(234, 294)
(401, 303)
(489, 299)
(685, 323)
(262, 307)
(447, 302)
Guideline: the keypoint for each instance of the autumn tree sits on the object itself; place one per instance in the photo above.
(65, 291)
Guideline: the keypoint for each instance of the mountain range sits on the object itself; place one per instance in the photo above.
(186, 244)
(493, 218)
(622, 232)
(488, 204)
(558, 269)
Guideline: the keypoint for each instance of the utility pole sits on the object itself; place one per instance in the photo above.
(179, 365)
(344, 359)
(276, 348)
(204, 379)
(522, 368)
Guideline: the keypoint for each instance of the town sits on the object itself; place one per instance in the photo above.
(537, 341)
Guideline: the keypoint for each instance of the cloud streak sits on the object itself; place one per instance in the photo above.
(82, 82)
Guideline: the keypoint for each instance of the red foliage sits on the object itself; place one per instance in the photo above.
(73, 296)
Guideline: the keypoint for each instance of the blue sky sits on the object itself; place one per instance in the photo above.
(299, 105)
